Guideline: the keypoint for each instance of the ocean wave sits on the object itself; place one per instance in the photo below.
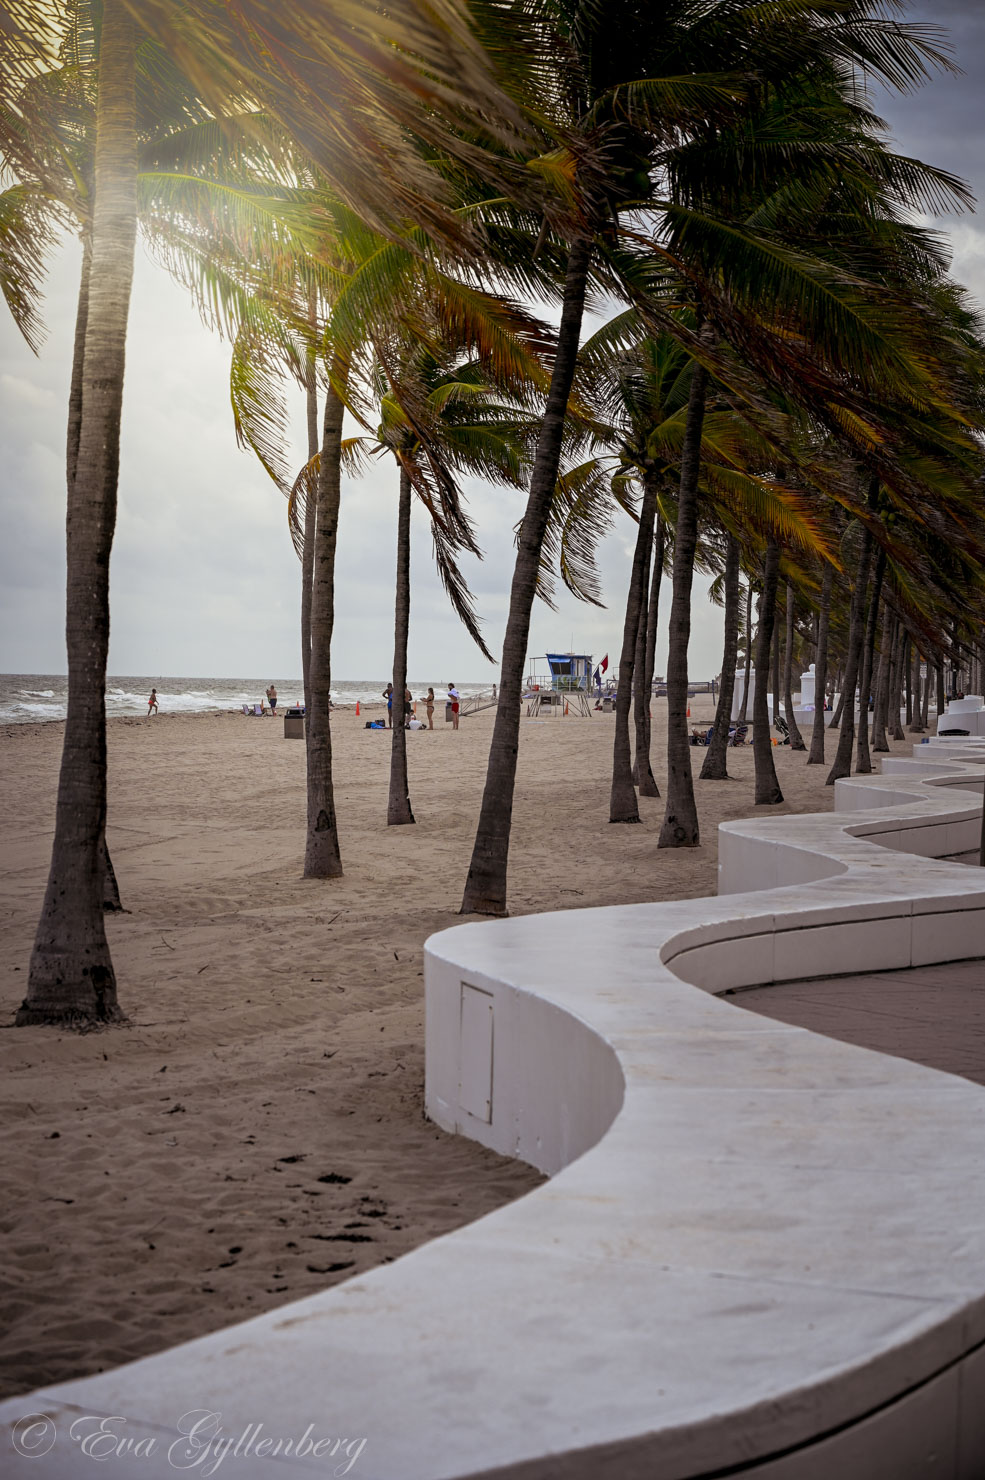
(126, 696)
(22, 713)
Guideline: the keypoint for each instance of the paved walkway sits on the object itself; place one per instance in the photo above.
(934, 1015)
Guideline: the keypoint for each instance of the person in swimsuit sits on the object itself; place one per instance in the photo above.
(152, 703)
(429, 701)
(272, 699)
(454, 698)
(388, 696)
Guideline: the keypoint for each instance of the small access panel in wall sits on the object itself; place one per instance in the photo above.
(475, 1075)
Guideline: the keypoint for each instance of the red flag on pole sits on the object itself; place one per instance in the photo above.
(604, 663)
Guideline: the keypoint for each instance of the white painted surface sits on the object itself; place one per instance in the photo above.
(963, 714)
(760, 1249)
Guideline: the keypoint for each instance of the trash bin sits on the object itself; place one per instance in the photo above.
(447, 713)
(293, 725)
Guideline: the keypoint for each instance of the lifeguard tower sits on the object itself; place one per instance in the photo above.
(564, 689)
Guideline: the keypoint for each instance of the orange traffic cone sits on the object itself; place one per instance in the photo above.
(689, 711)
(357, 709)
(565, 708)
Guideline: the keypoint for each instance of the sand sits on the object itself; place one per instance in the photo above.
(257, 1132)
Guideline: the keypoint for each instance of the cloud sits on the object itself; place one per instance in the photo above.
(26, 392)
(204, 577)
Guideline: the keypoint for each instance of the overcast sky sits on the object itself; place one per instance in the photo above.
(204, 577)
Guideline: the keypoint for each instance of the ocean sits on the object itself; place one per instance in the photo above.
(30, 698)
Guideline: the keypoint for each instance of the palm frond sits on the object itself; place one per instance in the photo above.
(580, 517)
(25, 236)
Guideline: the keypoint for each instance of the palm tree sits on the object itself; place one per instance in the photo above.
(846, 737)
(71, 975)
(747, 667)
(863, 763)
(788, 179)
(612, 111)
(816, 754)
(643, 772)
(622, 801)
(438, 419)
(768, 791)
(796, 739)
(80, 161)
(637, 387)
(423, 71)
(48, 137)
(714, 766)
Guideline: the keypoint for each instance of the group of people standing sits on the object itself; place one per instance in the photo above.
(454, 700)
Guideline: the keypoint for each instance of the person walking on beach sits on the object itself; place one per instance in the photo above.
(454, 698)
(388, 696)
(152, 703)
(429, 701)
(272, 699)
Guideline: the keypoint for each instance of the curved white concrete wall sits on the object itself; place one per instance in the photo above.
(762, 1252)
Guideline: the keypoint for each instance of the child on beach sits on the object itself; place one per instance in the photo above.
(152, 703)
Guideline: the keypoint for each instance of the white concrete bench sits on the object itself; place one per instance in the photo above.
(761, 1252)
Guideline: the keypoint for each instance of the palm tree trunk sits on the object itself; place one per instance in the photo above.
(880, 739)
(775, 669)
(856, 631)
(816, 756)
(645, 778)
(768, 793)
(918, 726)
(398, 806)
(322, 857)
(941, 690)
(680, 824)
(112, 903)
(908, 680)
(796, 739)
(839, 708)
(485, 887)
(71, 978)
(622, 796)
(744, 706)
(308, 556)
(896, 698)
(715, 767)
(839, 689)
(641, 699)
(863, 760)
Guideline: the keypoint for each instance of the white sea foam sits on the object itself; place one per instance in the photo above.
(34, 698)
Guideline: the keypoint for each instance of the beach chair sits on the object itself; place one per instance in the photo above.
(259, 710)
(780, 725)
(737, 735)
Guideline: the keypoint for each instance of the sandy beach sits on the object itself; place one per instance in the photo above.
(257, 1132)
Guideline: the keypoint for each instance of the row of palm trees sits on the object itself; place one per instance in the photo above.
(787, 383)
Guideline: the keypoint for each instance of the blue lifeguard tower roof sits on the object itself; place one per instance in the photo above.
(570, 671)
